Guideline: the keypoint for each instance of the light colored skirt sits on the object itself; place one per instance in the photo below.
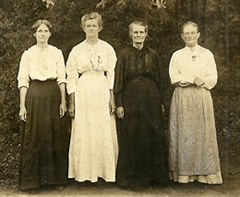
(93, 146)
(193, 150)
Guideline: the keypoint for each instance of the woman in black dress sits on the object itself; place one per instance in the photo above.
(138, 91)
(41, 80)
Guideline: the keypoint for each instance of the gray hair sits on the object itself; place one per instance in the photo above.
(137, 22)
(190, 23)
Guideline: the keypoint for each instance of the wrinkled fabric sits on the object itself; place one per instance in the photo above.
(41, 65)
(44, 143)
(93, 146)
(193, 146)
(193, 149)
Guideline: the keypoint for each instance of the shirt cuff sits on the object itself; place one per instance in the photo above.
(61, 81)
(70, 90)
(23, 84)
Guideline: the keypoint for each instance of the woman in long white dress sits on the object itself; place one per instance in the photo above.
(90, 75)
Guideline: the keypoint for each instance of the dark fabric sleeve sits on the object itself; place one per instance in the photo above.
(161, 78)
(160, 73)
(119, 79)
(157, 76)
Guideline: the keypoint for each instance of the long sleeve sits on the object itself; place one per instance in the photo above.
(72, 73)
(23, 74)
(211, 77)
(111, 67)
(160, 74)
(174, 72)
(119, 80)
(180, 69)
(61, 75)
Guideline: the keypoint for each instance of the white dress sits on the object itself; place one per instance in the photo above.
(93, 146)
(193, 149)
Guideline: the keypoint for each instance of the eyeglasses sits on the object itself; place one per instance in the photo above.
(193, 33)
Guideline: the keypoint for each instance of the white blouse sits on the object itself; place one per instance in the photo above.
(41, 65)
(186, 64)
(100, 58)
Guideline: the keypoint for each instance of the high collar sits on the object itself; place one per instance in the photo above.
(196, 47)
(143, 49)
(89, 42)
(137, 47)
(139, 52)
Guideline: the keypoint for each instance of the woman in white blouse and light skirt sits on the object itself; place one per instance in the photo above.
(90, 76)
(193, 149)
(41, 80)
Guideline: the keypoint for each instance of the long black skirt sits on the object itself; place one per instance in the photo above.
(142, 157)
(44, 140)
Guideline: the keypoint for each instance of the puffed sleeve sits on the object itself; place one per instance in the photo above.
(61, 76)
(23, 73)
(111, 67)
(72, 74)
(210, 80)
(119, 79)
(174, 72)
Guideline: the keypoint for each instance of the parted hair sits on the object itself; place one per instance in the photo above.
(190, 23)
(137, 22)
(40, 22)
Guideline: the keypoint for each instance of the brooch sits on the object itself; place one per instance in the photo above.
(194, 57)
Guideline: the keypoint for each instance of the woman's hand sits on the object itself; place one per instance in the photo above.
(71, 110)
(120, 112)
(112, 106)
(62, 109)
(71, 107)
(23, 113)
(184, 84)
(199, 82)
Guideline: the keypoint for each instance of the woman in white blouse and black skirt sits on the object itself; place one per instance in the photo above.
(41, 80)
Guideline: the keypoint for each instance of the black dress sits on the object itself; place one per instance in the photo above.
(142, 145)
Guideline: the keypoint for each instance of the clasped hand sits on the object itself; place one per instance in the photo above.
(199, 82)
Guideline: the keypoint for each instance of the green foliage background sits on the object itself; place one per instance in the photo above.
(219, 22)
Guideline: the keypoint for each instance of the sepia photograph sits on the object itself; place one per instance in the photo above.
(120, 98)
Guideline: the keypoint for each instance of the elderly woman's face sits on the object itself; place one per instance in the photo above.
(91, 27)
(138, 34)
(42, 34)
(190, 35)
